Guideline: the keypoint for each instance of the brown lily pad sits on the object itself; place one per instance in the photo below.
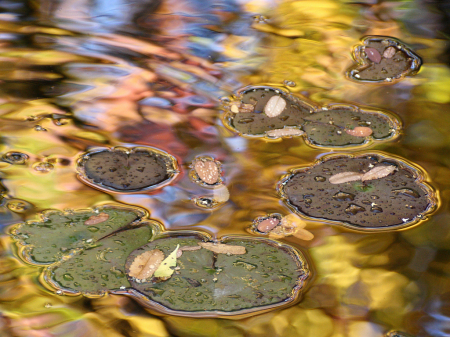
(127, 169)
(393, 194)
(383, 59)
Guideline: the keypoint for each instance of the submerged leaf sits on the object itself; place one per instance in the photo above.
(221, 248)
(345, 177)
(165, 269)
(378, 172)
(145, 265)
(96, 219)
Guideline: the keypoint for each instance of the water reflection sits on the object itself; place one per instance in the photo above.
(108, 73)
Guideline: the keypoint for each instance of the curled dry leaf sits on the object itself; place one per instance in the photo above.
(378, 172)
(345, 177)
(274, 106)
(360, 131)
(389, 52)
(267, 225)
(373, 55)
(278, 133)
(221, 194)
(145, 264)
(207, 171)
(96, 219)
(221, 248)
(165, 269)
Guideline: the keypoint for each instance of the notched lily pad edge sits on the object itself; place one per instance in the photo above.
(361, 62)
(227, 117)
(160, 310)
(173, 171)
(421, 178)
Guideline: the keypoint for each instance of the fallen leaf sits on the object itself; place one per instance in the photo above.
(96, 219)
(221, 248)
(389, 52)
(165, 269)
(190, 248)
(237, 107)
(378, 172)
(373, 55)
(145, 264)
(345, 177)
(207, 171)
(267, 225)
(278, 133)
(274, 106)
(303, 234)
(360, 131)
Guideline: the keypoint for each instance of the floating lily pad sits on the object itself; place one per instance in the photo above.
(206, 283)
(58, 233)
(383, 59)
(86, 249)
(127, 169)
(383, 199)
(336, 125)
(333, 126)
(257, 123)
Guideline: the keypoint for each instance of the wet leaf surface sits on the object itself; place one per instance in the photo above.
(396, 198)
(383, 59)
(127, 169)
(204, 281)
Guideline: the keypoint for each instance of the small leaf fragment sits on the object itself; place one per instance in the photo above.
(389, 52)
(165, 268)
(274, 106)
(267, 225)
(239, 107)
(190, 248)
(286, 132)
(145, 265)
(221, 248)
(207, 171)
(360, 131)
(303, 234)
(373, 55)
(96, 219)
(345, 177)
(378, 172)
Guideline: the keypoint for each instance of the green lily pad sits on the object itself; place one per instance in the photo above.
(127, 169)
(100, 268)
(206, 283)
(383, 59)
(335, 125)
(58, 233)
(333, 189)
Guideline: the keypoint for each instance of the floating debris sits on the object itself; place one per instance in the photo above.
(383, 59)
(127, 169)
(360, 131)
(165, 269)
(144, 265)
(278, 228)
(286, 132)
(274, 106)
(238, 107)
(206, 171)
(361, 192)
(96, 219)
(266, 225)
(16, 158)
(206, 282)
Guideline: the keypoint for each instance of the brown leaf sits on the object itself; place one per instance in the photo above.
(360, 131)
(145, 264)
(345, 177)
(190, 248)
(221, 248)
(389, 52)
(207, 171)
(96, 219)
(303, 234)
(286, 132)
(378, 172)
(267, 225)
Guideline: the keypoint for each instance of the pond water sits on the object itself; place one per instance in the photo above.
(77, 75)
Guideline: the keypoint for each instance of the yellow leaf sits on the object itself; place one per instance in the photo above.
(165, 269)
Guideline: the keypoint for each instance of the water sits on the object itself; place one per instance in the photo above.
(76, 75)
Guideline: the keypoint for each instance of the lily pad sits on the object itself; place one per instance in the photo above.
(383, 59)
(58, 233)
(332, 126)
(386, 199)
(84, 258)
(127, 169)
(265, 274)
(335, 125)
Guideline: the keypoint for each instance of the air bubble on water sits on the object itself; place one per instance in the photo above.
(43, 167)
(18, 206)
(289, 83)
(16, 158)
